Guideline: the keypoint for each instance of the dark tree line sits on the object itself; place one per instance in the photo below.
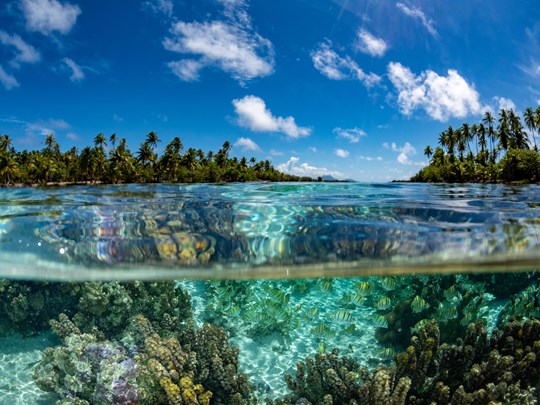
(493, 150)
(111, 161)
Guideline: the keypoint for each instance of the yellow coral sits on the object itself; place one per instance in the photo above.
(172, 390)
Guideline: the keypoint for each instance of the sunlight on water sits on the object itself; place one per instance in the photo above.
(246, 230)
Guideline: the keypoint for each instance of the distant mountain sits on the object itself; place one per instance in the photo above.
(328, 177)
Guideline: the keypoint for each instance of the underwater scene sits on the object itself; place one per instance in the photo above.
(270, 293)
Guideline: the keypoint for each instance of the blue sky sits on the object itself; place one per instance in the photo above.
(354, 89)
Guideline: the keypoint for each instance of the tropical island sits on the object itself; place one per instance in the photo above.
(117, 164)
(493, 150)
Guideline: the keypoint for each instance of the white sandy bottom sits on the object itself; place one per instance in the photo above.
(18, 356)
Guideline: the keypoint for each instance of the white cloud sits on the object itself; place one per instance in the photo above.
(186, 69)
(46, 16)
(418, 14)
(274, 152)
(342, 153)
(305, 169)
(253, 114)
(442, 97)
(8, 81)
(404, 153)
(77, 73)
(371, 44)
(231, 47)
(353, 135)
(312, 149)
(159, 6)
(24, 53)
(333, 66)
(73, 136)
(532, 69)
(505, 104)
(370, 158)
(247, 145)
(117, 118)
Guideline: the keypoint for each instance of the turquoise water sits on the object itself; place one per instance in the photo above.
(246, 293)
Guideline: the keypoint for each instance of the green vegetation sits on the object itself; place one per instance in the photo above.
(115, 163)
(490, 151)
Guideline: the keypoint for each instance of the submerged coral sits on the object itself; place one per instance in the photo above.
(474, 370)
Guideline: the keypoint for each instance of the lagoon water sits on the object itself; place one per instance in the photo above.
(107, 293)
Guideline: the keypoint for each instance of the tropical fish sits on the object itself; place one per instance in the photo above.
(380, 321)
(418, 325)
(389, 283)
(322, 330)
(364, 288)
(277, 295)
(418, 304)
(322, 348)
(357, 299)
(349, 330)
(233, 311)
(311, 313)
(342, 316)
(383, 303)
(446, 312)
(325, 285)
(387, 353)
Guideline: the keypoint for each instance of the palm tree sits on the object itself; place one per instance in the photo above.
(428, 151)
(8, 167)
(100, 141)
(530, 121)
(152, 139)
(489, 122)
(113, 139)
(5, 143)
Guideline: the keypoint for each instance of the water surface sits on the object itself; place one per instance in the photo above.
(265, 230)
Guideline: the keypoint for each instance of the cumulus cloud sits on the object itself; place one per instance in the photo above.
(252, 114)
(342, 153)
(77, 73)
(418, 14)
(371, 44)
(230, 45)
(404, 153)
(293, 167)
(442, 97)
(353, 135)
(24, 53)
(505, 104)
(335, 67)
(186, 69)
(159, 6)
(247, 145)
(47, 16)
(8, 81)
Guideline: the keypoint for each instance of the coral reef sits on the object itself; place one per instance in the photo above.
(189, 366)
(330, 379)
(26, 307)
(475, 370)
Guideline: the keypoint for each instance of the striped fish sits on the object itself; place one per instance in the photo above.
(380, 321)
(389, 283)
(349, 330)
(418, 304)
(387, 353)
(325, 285)
(383, 303)
(358, 299)
(364, 288)
(311, 313)
(322, 330)
(342, 316)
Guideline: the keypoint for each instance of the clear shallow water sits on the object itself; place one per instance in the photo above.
(163, 294)
(265, 229)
